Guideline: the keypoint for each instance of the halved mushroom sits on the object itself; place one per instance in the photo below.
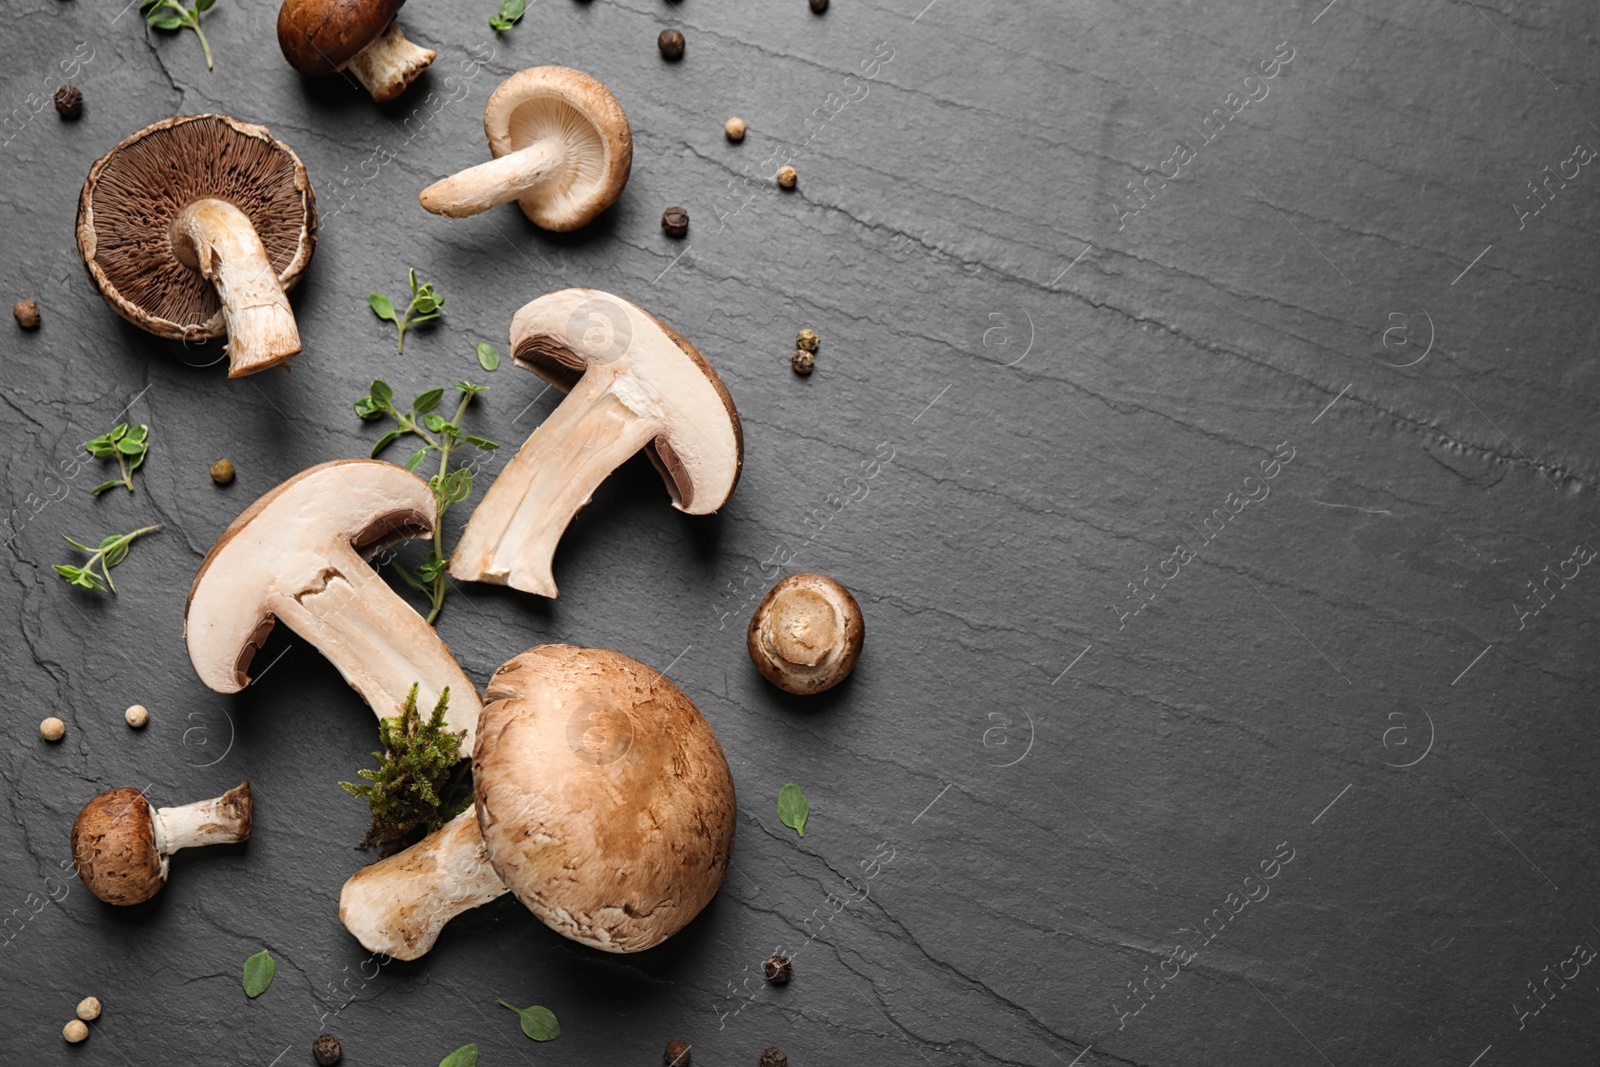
(806, 634)
(122, 846)
(299, 554)
(603, 802)
(196, 227)
(634, 383)
(562, 151)
(361, 36)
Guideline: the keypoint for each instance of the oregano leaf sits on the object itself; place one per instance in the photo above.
(793, 808)
(538, 1023)
(258, 972)
(488, 356)
(465, 1056)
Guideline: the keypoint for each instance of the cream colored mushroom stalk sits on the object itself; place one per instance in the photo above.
(122, 845)
(299, 555)
(634, 384)
(602, 801)
(217, 239)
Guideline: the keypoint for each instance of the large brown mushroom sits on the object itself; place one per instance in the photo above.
(123, 846)
(603, 802)
(361, 36)
(196, 227)
(633, 383)
(562, 151)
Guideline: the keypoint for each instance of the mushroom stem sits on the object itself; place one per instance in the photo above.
(449, 868)
(389, 64)
(499, 181)
(218, 240)
(223, 820)
(513, 534)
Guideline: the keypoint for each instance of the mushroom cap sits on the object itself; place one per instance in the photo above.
(114, 847)
(574, 109)
(563, 335)
(320, 36)
(806, 634)
(283, 539)
(134, 192)
(603, 796)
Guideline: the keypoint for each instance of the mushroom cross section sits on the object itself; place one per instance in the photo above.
(122, 845)
(602, 801)
(299, 555)
(361, 36)
(562, 151)
(633, 383)
(197, 227)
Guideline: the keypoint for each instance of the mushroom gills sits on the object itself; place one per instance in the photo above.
(499, 181)
(389, 64)
(217, 240)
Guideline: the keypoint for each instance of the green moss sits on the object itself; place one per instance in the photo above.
(421, 782)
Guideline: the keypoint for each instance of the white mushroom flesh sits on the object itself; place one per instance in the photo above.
(216, 239)
(389, 64)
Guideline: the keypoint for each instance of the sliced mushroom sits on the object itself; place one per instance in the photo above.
(325, 36)
(123, 846)
(806, 634)
(633, 383)
(197, 227)
(603, 802)
(299, 555)
(562, 151)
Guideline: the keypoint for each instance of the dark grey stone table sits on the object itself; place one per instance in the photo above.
(1229, 679)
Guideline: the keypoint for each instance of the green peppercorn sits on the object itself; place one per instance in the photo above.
(808, 340)
(222, 471)
(773, 1056)
(802, 361)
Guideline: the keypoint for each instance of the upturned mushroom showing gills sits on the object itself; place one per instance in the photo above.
(197, 227)
(633, 383)
(122, 846)
(299, 555)
(562, 151)
(360, 36)
(806, 635)
(603, 802)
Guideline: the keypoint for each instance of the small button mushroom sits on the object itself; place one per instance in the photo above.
(136, 716)
(562, 150)
(89, 1009)
(734, 128)
(75, 1031)
(52, 729)
(324, 36)
(806, 634)
(123, 846)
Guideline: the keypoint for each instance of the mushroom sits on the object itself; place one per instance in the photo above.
(299, 555)
(806, 634)
(123, 846)
(562, 151)
(603, 802)
(361, 36)
(634, 383)
(196, 227)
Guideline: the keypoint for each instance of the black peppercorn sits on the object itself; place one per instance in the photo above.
(774, 1057)
(803, 362)
(68, 101)
(819, 6)
(778, 969)
(671, 44)
(675, 221)
(677, 1054)
(326, 1051)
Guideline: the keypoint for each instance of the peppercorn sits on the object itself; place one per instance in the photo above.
(677, 1054)
(778, 969)
(787, 176)
(802, 361)
(75, 1031)
(773, 1056)
(734, 128)
(89, 1009)
(675, 221)
(52, 729)
(222, 472)
(137, 715)
(818, 6)
(671, 44)
(26, 312)
(325, 1050)
(808, 340)
(68, 101)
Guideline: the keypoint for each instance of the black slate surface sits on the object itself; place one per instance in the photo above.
(1049, 797)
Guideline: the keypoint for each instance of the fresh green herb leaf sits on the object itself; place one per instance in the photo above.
(258, 972)
(481, 442)
(367, 409)
(382, 394)
(488, 356)
(416, 459)
(508, 15)
(112, 551)
(385, 441)
(127, 447)
(382, 306)
(793, 808)
(427, 401)
(537, 1022)
(465, 1056)
(470, 389)
(421, 781)
(172, 15)
(424, 307)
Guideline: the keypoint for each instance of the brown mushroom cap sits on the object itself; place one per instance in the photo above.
(320, 36)
(604, 798)
(134, 192)
(573, 108)
(806, 634)
(114, 846)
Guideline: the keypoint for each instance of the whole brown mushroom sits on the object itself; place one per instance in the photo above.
(122, 845)
(806, 634)
(361, 36)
